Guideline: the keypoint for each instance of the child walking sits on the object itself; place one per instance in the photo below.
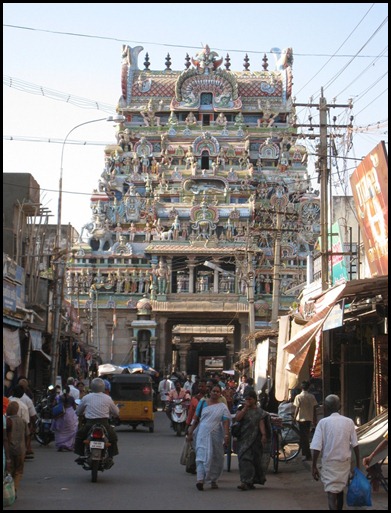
(17, 433)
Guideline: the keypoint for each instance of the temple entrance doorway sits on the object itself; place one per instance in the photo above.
(204, 160)
(207, 357)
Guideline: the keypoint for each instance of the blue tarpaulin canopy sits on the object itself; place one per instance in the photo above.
(139, 367)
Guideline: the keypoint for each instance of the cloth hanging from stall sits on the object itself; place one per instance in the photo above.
(11, 348)
(36, 340)
(281, 380)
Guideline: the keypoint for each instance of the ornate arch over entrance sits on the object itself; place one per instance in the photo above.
(191, 84)
(206, 143)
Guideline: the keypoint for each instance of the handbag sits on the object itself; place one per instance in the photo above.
(359, 490)
(8, 491)
(236, 429)
(185, 453)
(191, 467)
(58, 410)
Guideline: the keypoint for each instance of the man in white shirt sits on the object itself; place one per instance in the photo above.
(164, 388)
(97, 406)
(188, 384)
(335, 436)
(74, 392)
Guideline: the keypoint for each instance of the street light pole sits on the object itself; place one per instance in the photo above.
(116, 119)
(59, 263)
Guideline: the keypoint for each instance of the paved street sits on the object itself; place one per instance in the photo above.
(147, 476)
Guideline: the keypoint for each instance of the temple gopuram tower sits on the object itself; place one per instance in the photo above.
(203, 218)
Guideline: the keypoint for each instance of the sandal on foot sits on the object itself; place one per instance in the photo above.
(214, 485)
(200, 486)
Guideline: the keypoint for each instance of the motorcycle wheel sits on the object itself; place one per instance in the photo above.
(41, 438)
(94, 470)
(178, 429)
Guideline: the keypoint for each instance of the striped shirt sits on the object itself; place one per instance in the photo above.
(97, 406)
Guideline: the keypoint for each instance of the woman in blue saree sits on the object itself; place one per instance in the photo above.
(210, 429)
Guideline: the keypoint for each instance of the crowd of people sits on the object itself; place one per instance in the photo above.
(212, 403)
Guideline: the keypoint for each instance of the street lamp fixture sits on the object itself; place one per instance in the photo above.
(59, 265)
(217, 268)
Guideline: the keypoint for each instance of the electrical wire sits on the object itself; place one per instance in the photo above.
(335, 53)
(78, 101)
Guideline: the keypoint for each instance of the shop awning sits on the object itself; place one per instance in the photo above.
(299, 345)
(354, 290)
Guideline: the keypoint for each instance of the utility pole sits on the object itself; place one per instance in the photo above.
(276, 274)
(325, 212)
(59, 270)
(324, 175)
(324, 180)
(250, 291)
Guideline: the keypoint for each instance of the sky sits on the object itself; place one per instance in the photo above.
(62, 66)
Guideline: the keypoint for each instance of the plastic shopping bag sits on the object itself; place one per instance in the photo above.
(8, 491)
(359, 490)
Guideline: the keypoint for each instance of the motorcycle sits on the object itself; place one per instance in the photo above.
(96, 454)
(238, 402)
(43, 425)
(179, 415)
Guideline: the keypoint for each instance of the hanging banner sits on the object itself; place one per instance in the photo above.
(369, 183)
(380, 357)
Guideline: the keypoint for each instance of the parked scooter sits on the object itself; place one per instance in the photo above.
(96, 454)
(179, 415)
(43, 432)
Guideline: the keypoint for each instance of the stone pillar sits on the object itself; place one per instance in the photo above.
(152, 346)
(164, 352)
(174, 360)
(191, 278)
(183, 350)
(216, 281)
(230, 354)
(134, 350)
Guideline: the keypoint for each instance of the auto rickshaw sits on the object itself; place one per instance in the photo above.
(133, 393)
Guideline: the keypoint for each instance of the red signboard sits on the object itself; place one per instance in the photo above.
(369, 183)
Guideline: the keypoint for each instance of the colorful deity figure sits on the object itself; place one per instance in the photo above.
(205, 60)
(148, 114)
(191, 119)
(162, 274)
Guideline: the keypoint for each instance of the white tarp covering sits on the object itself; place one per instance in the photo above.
(371, 434)
(261, 364)
(108, 368)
